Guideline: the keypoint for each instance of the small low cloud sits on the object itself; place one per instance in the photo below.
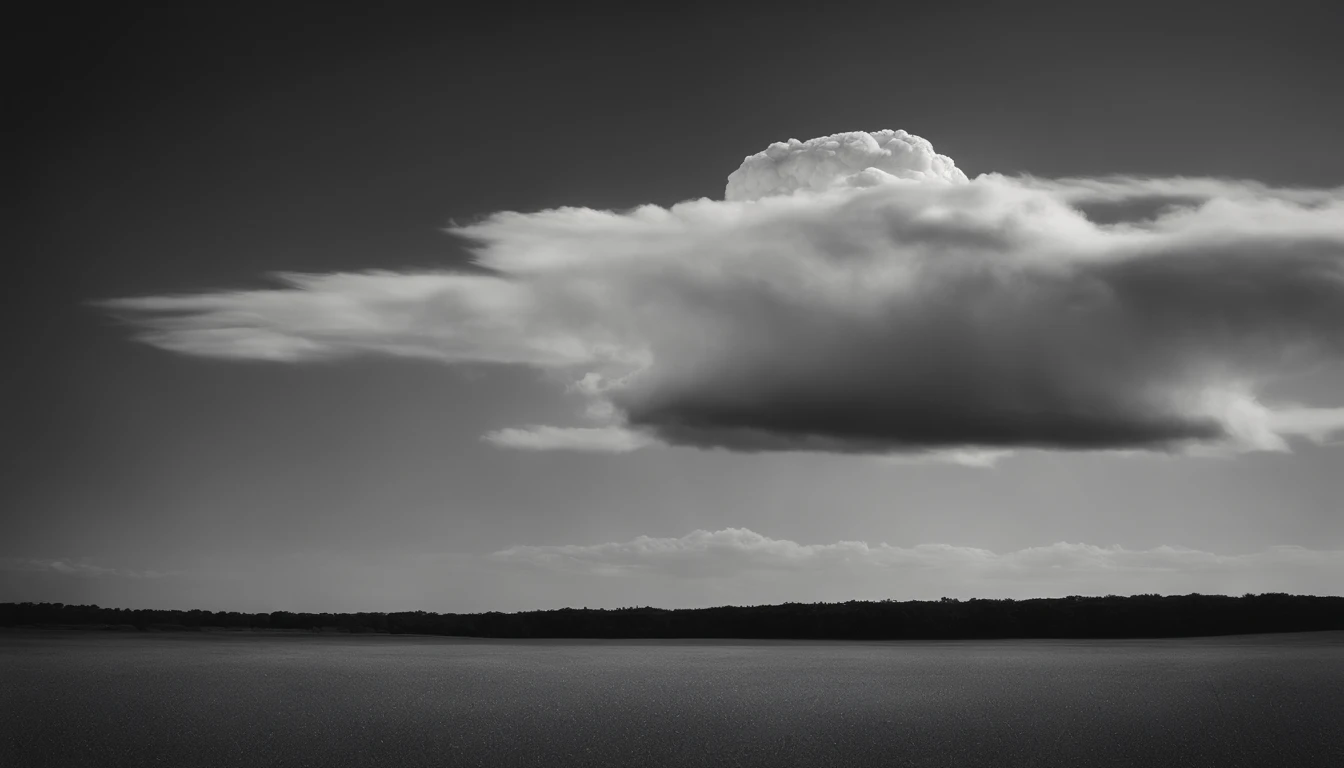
(857, 293)
(548, 438)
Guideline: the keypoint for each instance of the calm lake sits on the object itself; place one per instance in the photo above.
(73, 699)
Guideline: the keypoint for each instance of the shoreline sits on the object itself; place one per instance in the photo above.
(1327, 637)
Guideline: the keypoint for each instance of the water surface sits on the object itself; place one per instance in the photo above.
(74, 699)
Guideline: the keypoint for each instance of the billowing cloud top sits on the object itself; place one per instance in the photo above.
(857, 158)
(856, 293)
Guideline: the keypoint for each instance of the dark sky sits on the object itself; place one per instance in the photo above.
(164, 151)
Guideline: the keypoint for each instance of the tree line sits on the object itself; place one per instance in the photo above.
(948, 618)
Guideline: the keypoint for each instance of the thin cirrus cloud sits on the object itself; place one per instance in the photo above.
(77, 568)
(731, 552)
(857, 293)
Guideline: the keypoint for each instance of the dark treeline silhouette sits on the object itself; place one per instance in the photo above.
(1066, 617)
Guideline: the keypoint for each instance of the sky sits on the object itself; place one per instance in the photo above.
(399, 311)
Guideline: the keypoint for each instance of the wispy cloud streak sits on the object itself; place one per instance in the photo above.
(77, 568)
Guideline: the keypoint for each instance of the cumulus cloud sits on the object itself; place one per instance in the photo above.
(857, 293)
(734, 551)
(857, 158)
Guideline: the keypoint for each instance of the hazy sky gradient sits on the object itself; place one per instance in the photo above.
(180, 152)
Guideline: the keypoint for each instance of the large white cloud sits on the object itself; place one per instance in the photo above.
(856, 293)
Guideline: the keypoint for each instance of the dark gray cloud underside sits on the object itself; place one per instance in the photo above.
(1077, 374)
(789, 425)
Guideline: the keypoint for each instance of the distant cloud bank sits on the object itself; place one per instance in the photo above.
(703, 552)
(752, 567)
(857, 293)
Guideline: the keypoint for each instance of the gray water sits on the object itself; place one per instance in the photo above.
(74, 699)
